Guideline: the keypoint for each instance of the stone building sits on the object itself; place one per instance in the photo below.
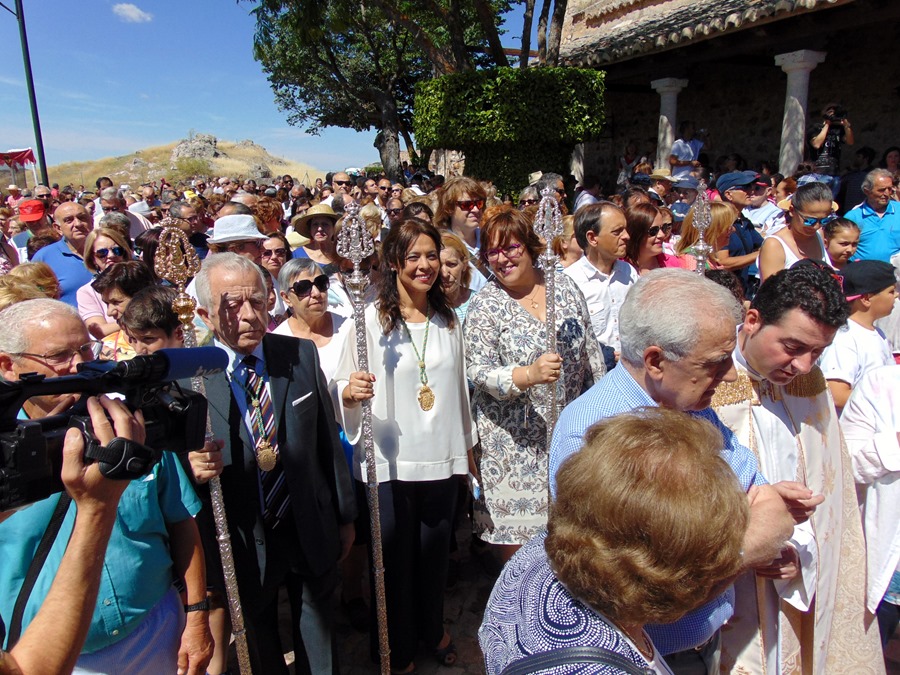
(754, 73)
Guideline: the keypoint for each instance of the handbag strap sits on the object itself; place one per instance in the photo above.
(571, 655)
(37, 563)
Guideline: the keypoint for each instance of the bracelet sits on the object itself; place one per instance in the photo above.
(528, 376)
(202, 606)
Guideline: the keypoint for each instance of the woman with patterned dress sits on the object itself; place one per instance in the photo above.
(506, 341)
(630, 541)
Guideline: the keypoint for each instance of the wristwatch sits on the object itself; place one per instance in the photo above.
(202, 606)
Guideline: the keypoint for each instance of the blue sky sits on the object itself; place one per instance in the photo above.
(114, 77)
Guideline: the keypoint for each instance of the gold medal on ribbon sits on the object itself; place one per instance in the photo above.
(426, 398)
(266, 457)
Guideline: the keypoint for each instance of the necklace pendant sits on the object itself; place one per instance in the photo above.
(266, 457)
(421, 365)
(426, 398)
(254, 402)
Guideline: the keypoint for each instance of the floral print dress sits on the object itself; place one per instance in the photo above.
(512, 456)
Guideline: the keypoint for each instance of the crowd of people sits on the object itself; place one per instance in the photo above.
(696, 512)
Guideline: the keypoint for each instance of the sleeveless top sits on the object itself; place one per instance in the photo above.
(791, 258)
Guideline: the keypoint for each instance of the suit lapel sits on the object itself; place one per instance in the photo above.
(221, 410)
(280, 378)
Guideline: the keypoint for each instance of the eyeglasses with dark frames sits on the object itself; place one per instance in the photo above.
(469, 204)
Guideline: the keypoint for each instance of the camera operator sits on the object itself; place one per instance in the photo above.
(138, 625)
(57, 633)
(827, 137)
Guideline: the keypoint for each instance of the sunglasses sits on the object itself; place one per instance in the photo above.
(269, 253)
(343, 182)
(394, 212)
(528, 202)
(809, 221)
(103, 253)
(653, 231)
(304, 287)
(469, 204)
(384, 188)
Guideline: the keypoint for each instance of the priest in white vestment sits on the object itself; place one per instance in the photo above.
(806, 613)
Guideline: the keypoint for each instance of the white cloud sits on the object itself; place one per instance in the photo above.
(130, 13)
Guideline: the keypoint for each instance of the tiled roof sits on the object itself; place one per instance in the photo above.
(606, 31)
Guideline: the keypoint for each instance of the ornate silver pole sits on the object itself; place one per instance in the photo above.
(548, 225)
(177, 262)
(355, 244)
(702, 219)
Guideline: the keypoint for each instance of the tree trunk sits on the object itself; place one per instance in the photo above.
(542, 31)
(457, 37)
(410, 146)
(488, 21)
(527, 20)
(559, 15)
(389, 147)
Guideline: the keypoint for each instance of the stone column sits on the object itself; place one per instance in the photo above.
(667, 88)
(798, 65)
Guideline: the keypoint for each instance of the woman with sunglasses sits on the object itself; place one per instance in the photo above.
(275, 252)
(102, 248)
(460, 208)
(810, 209)
(646, 233)
(422, 428)
(506, 342)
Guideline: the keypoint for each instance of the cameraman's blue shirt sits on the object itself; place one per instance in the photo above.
(137, 570)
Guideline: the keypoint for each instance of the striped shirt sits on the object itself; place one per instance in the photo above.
(617, 393)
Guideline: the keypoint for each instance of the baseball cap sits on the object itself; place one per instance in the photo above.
(31, 210)
(867, 276)
(738, 179)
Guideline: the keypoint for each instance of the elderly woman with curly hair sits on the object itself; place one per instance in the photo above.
(631, 541)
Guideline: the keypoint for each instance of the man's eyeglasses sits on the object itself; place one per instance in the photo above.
(304, 287)
(271, 252)
(384, 188)
(343, 182)
(653, 231)
(88, 351)
(469, 204)
(512, 252)
(809, 221)
(103, 253)
(393, 212)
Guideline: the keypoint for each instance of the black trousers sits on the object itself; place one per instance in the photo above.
(416, 524)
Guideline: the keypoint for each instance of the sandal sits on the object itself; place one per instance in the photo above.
(446, 656)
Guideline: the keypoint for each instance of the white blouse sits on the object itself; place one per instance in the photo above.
(411, 444)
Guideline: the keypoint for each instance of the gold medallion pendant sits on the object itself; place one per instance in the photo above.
(426, 398)
(266, 457)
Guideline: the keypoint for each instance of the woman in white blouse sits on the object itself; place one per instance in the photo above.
(422, 429)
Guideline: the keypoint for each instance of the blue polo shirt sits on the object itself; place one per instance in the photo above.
(137, 570)
(68, 267)
(879, 236)
(617, 393)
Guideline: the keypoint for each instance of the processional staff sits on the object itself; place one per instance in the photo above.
(701, 219)
(177, 262)
(548, 225)
(356, 244)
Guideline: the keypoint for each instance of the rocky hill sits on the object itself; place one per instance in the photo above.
(201, 154)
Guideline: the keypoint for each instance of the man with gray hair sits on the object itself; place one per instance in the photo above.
(112, 200)
(285, 480)
(878, 218)
(140, 622)
(676, 359)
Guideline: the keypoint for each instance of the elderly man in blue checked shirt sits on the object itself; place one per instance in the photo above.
(678, 331)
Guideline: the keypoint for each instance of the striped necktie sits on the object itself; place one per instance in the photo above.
(275, 496)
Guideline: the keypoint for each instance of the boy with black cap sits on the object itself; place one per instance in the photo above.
(870, 287)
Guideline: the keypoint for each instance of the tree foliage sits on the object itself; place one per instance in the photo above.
(510, 122)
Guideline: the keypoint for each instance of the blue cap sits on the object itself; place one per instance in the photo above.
(737, 179)
(687, 183)
(641, 179)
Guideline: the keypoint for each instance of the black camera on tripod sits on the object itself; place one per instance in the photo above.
(175, 419)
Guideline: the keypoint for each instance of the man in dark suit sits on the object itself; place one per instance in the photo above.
(286, 484)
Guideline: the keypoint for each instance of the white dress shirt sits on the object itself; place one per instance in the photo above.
(604, 294)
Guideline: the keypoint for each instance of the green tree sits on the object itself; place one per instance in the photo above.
(355, 63)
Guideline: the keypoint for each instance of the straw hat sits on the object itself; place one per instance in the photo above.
(301, 223)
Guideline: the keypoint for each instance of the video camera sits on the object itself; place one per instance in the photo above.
(175, 420)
